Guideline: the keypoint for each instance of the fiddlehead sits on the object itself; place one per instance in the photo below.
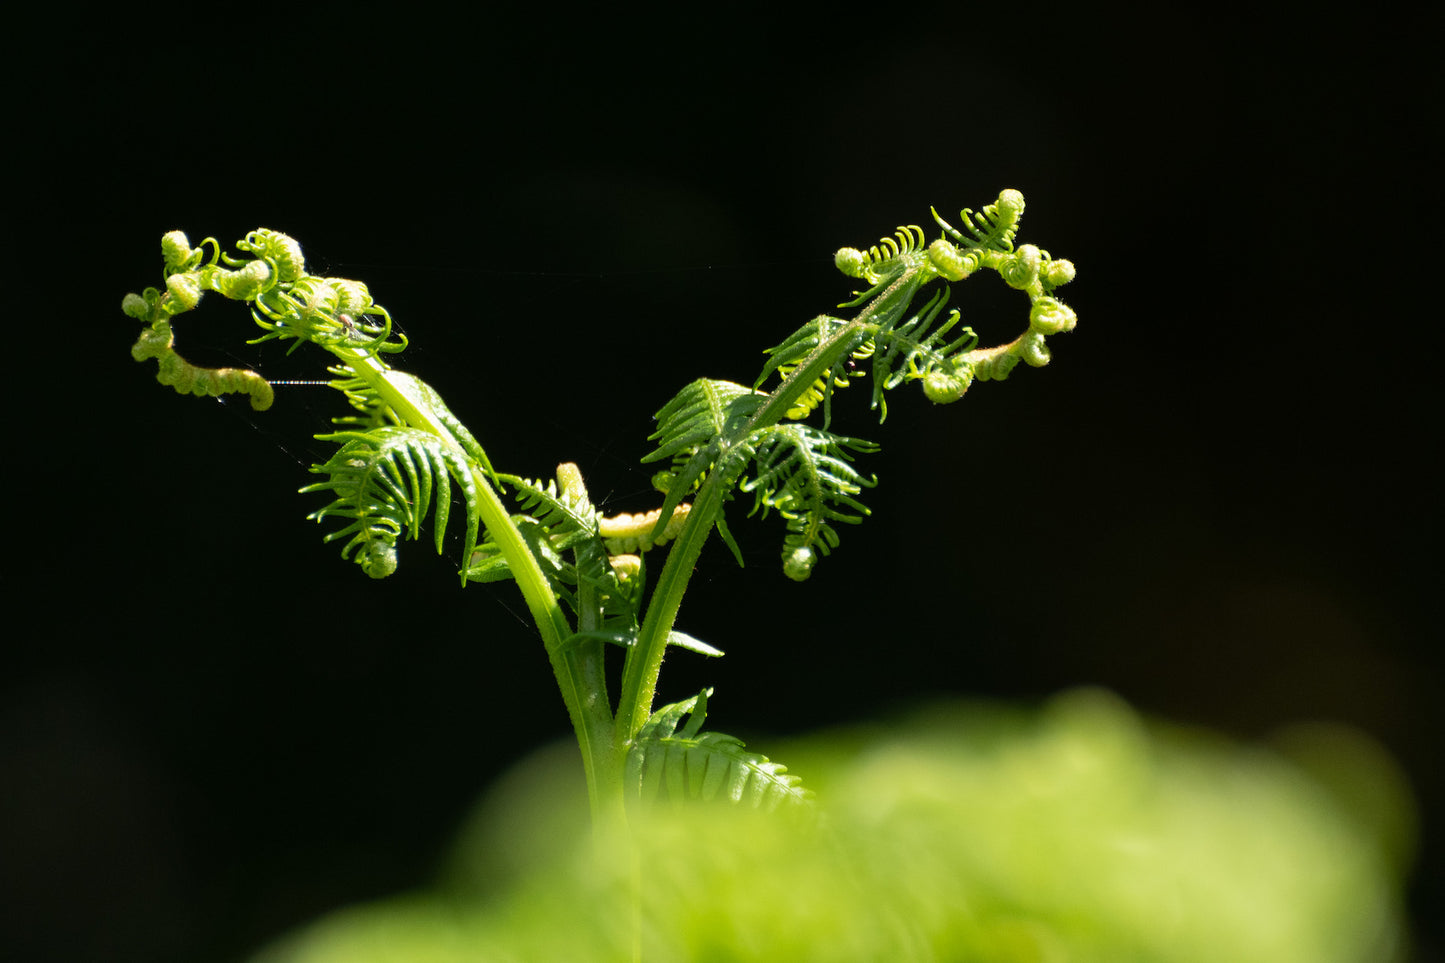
(326, 311)
(888, 341)
(387, 467)
(914, 349)
(285, 303)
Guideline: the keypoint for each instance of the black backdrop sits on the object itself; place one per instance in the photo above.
(1217, 501)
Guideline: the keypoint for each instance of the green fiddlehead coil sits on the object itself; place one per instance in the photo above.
(386, 472)
(715, 427)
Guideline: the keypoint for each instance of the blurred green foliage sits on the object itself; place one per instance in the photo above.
(1071, 832)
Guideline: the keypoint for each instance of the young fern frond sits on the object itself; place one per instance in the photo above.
(325, 311)
(820, 392)
(693, 421)
(386, 481)
(664, 763)
(898, 350)
(915, 350)
(806, 475)
(694, 433)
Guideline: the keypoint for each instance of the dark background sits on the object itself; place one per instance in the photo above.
(1216, 501)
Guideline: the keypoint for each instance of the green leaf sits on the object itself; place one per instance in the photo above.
(626, 638)
(806, 475)
(691, 765)
(387, 480)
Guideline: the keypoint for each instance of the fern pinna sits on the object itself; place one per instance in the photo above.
(402, 458)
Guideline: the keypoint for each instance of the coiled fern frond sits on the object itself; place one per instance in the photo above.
(802, 472)
(665, 764)
(716, 428)
(900, 348)
(386, 482)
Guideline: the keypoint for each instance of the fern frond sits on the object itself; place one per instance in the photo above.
(785, 357)
(916, 349)
(387, 481)
(663, 763)
(485, 562)
(692, 433)
(567, 515)
(820, 392)
(557, 516)
(806, 475)
(799, 345)
(698, 414)
(362, 396)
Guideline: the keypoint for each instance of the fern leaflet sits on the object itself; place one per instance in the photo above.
(557, 516)
(806, 475)
(664, 763)
(992, 228)
(386, 481)
(697, 431)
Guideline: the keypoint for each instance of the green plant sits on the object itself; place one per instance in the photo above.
(402, 459)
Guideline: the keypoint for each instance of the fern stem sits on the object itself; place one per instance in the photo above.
(644, 660)
(590, 716)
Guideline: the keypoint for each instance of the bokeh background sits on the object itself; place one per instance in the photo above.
(1218, 501)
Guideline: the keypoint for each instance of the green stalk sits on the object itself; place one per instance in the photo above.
(644, 660)
(591, 720)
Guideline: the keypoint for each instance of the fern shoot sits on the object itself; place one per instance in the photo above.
(402, 459)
